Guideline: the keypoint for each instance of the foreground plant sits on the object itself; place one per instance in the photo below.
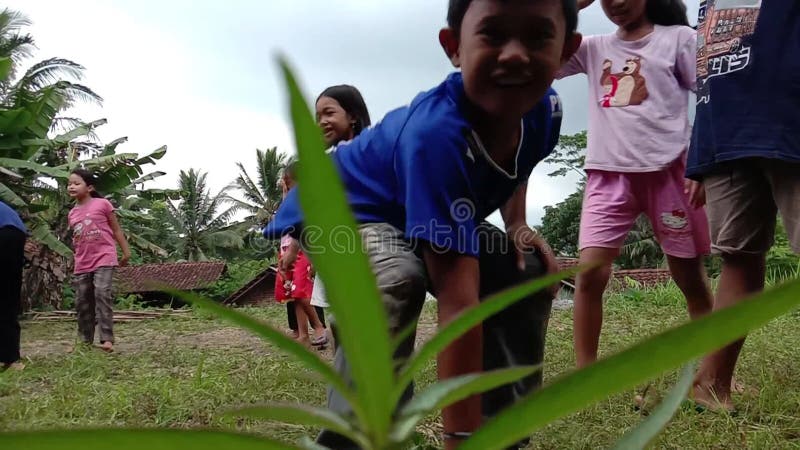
(376, 389)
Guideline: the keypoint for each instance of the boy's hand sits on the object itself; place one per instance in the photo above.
(124, 260)
(584, 3)
(696, 193)
(526, 239)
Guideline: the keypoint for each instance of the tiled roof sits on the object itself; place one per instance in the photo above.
(234, 298)
(645, 277)
(184, 276)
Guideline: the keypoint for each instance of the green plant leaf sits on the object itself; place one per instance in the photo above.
(641, 436)
(276, 337)
(447, 392)
(128, 439)
(41, 232)
(302, 415)
(38, 168)
(634, 365)
(8, 196)
(471, 318)
(5, 68)
(349, 281)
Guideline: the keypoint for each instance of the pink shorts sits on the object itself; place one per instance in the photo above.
(613, 201)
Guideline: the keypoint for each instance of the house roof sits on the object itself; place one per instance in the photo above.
(184, 276)
(252, 284)
(645, 277)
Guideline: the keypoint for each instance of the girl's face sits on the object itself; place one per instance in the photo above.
(335, 122)
(625, 12)
(77, 187)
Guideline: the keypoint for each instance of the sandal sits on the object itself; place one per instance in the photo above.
(320, 341)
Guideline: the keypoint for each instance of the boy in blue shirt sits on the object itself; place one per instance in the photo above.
(422, 181)
(745, 151)
(12, 259)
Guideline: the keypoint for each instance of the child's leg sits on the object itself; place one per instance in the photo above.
(321, 315)
(311, 316)
(742, 216)
(516, 335)
(85, 306)
(588, 309)
(682, 231)
(291, 317)
(302, 322)
(104, 304)
(609, 210)
(400, 276)
(690, 276)
(12, 259)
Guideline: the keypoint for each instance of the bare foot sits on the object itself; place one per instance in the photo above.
(707, 398)
(16, 366)
(107, 347)
(305, 340)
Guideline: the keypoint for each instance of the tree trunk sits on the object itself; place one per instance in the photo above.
(43, 277)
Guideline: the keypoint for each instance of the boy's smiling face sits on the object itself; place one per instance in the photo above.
(509, 52)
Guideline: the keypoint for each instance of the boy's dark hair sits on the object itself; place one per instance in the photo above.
(666, 12)
(90, 179)
(352, 102)
(290, 170)
(458, 8)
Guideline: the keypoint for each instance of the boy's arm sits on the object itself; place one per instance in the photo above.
(454, 278)
(119, 236)
(524, 237)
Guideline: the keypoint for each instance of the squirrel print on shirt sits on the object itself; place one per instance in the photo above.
(625, 88)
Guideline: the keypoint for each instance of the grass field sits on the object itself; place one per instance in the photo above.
(183, 372)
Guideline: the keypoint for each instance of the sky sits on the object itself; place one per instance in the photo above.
(200, 76)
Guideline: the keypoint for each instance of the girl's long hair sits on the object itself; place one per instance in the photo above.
(90, 179)
(666, 12)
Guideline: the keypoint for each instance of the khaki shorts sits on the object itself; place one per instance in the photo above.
(743, 202)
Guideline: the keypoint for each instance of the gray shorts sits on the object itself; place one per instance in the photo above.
(743, 202)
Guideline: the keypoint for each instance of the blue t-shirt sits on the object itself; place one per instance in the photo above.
(424, 170)
(10, 218)
(748, 83)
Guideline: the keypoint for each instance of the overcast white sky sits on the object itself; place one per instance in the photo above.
(200, 76)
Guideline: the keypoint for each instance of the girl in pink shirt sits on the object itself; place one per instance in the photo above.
(640, 78)
(95, 233)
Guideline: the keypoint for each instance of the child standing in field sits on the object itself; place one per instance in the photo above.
(640, 77)
(746, 152)
(423, 180)
(342, 115)
(95, 230)
(294, 284)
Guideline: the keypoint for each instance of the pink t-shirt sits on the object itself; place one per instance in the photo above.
(638, 97)
(92, 236)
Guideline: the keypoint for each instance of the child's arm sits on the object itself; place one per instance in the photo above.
(686, 64)
(119, 236)
(454, 278)
(524, 237)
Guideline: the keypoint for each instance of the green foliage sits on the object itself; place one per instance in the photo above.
(201, 220)
(561, 224)
(262, 194)
(570, 154)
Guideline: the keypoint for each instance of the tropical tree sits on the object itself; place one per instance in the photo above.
(38, 149)
(261, 193)
(201, 220)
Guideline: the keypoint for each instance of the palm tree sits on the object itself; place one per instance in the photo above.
(197, 219)
(262, 195)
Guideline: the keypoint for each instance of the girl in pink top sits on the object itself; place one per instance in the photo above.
(95, 230)
(640, 78)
